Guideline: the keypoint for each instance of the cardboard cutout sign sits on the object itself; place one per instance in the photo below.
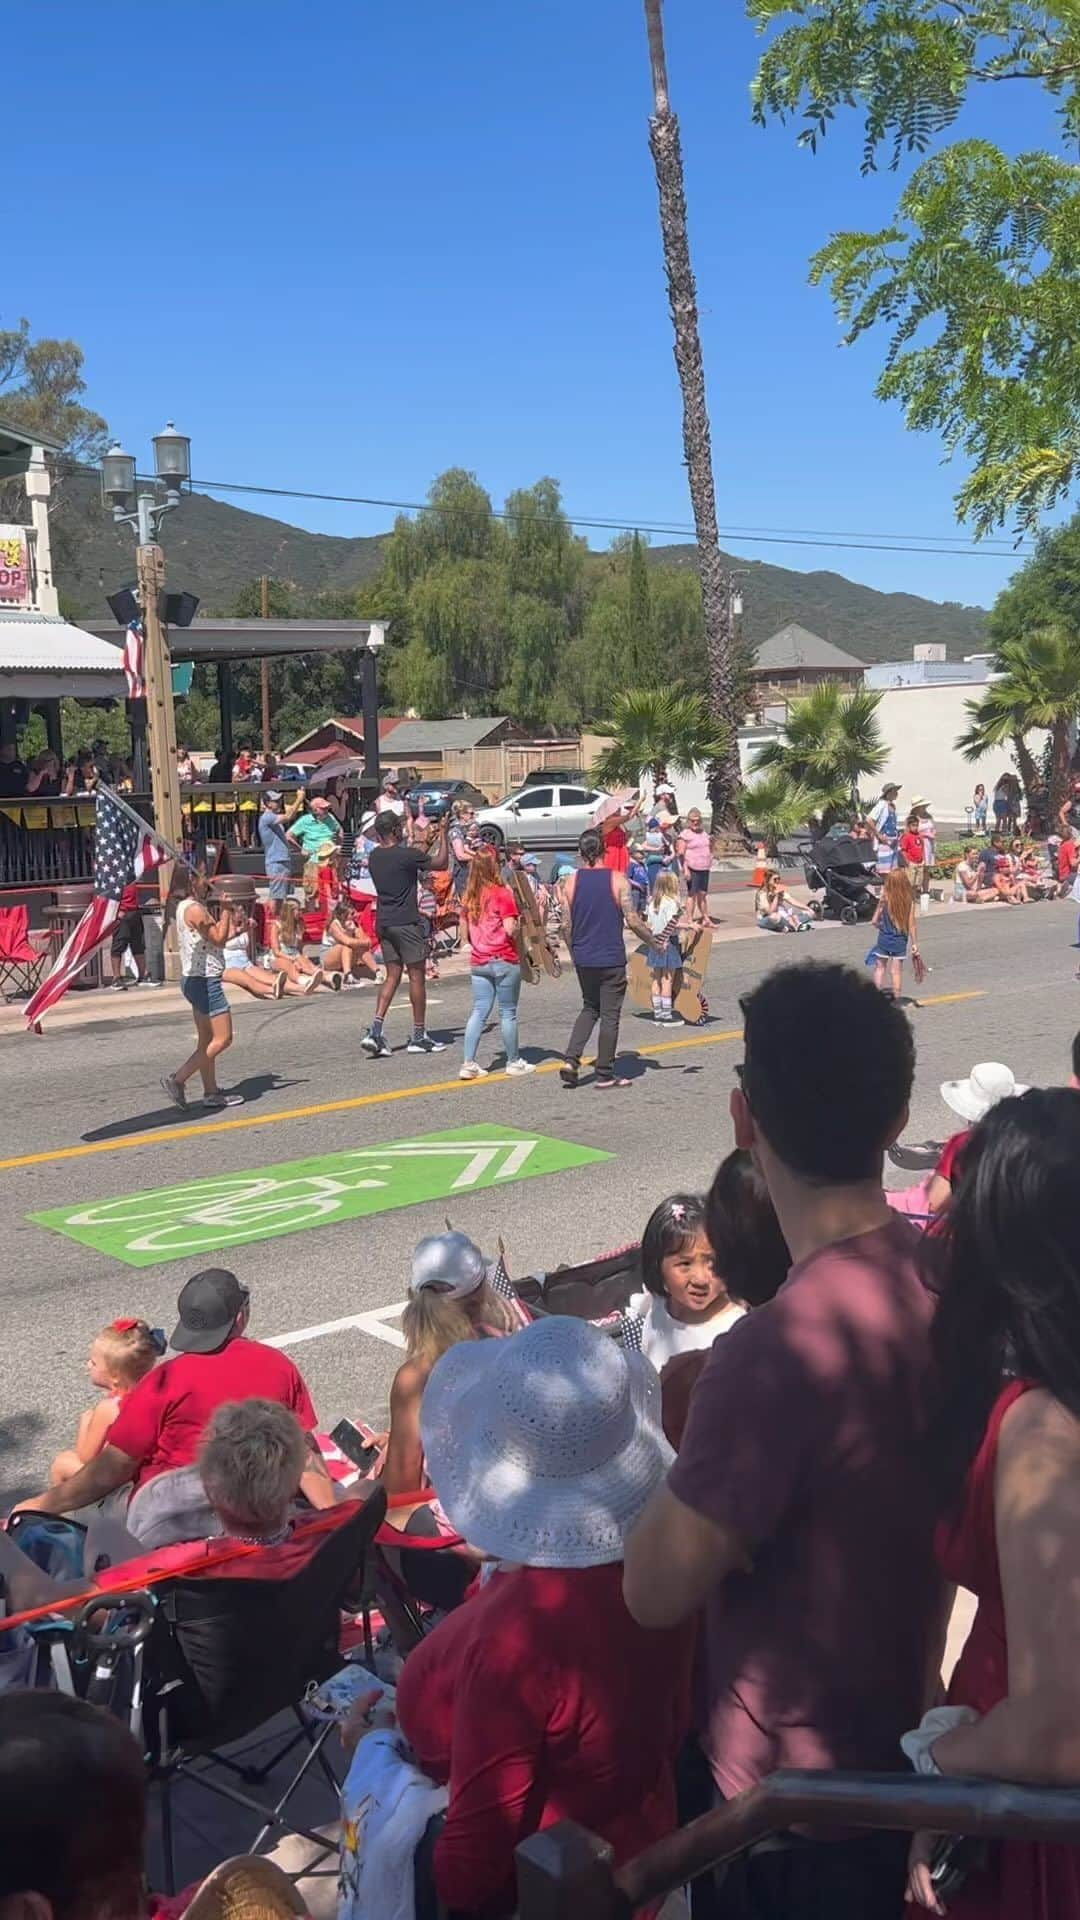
(688, 997)
(536, 955)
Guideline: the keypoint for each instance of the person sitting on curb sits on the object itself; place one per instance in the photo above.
(161, 1424)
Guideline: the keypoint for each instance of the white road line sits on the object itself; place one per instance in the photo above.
(373, 1323)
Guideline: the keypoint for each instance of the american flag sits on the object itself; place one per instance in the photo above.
(125, 849)
(133, 661)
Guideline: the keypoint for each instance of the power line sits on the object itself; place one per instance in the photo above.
(882, 543)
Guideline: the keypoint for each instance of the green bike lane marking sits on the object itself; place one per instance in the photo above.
(230, 1210)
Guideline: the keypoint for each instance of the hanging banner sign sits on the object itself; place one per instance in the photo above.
(14, 567)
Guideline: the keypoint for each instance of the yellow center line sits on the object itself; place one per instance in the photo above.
(383, 1098)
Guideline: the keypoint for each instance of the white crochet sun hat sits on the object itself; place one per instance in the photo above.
(544, 1447)
(986, 1084)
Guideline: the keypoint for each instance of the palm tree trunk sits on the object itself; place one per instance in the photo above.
(1029, 772)
(1060, 758)
(666, 149)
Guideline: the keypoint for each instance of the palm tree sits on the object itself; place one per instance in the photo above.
(1037, 686)
(831, 743)
(776, 807)
(716, 596)
(657, 731)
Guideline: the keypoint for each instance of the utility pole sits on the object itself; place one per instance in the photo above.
(160, 713)
(264, 664)
(119, 484)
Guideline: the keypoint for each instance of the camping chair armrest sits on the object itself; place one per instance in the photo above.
(98, 1636)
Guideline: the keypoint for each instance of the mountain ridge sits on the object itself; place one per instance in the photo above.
(214, 549)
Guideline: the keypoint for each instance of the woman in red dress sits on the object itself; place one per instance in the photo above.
(1006, 1445)
(616, 854)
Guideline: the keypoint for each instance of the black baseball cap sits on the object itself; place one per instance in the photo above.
(208, 1306)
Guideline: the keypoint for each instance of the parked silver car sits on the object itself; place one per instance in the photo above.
(540, 816)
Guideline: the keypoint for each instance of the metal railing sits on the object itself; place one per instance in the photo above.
(48, 841)
(566, 1873)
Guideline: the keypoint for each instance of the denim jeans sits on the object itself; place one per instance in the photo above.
(496, 980)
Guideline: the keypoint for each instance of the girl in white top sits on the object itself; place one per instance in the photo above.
(686, 1303)
(203, 934)
(662, 918)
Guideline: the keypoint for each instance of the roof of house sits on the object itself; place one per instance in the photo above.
(434, 736)
(54, 658)
(796, 646)
(354, 725)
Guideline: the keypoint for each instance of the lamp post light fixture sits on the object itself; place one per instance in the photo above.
(131, 501)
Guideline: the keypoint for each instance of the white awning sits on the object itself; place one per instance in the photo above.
(45, 658)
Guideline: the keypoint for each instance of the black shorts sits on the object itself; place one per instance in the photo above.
(697, 883)
(403, 946)
(129, 932)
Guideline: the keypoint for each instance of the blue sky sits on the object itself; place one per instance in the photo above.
(398, 238)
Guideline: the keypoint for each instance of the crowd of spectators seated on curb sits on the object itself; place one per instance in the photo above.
(639, 1633)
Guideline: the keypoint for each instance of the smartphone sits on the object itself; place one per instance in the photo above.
(353, 1445)
(954, 1858)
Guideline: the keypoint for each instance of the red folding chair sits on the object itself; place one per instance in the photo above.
(22, 954)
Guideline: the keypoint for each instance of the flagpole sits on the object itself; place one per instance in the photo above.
(144, 825)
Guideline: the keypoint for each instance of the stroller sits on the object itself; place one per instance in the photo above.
(839, 866)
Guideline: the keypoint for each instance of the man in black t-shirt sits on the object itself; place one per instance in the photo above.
(395, 869)
(12, 772)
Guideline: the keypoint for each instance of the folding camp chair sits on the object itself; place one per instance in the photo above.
(197, 1663)
(22, 954)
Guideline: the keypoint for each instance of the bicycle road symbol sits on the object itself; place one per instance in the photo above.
(225, 1210)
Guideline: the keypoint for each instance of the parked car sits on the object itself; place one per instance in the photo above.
(439, 795)
(551, 816)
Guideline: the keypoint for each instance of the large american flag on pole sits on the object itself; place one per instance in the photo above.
(125, 850)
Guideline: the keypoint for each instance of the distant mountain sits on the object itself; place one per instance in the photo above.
(860, 620)
(213, 550)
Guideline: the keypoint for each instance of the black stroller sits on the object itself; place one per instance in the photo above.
(840, 867)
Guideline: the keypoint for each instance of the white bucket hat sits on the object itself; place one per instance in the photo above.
(985, 1085)
(450, 1263)
(544, 1447)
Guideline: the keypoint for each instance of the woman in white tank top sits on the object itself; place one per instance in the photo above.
(202, 939)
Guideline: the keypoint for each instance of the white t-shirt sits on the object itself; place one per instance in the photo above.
(662, 1337)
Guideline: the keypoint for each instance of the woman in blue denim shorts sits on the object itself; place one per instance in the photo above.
(202, 939)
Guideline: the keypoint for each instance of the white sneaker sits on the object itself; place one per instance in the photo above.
(517, 1067)
(472, 1070)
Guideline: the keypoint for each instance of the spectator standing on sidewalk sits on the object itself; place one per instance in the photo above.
(798, 1512)
(129, 935)
(596, 905)
(395, 869)
(275, 820)
(694, 848)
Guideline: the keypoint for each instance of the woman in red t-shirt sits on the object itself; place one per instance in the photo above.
(489, 922)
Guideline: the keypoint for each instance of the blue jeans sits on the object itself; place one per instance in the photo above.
(497, 980)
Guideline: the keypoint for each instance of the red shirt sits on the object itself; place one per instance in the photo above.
(164, 1418)
(803, 1440)
(950, 1154)
(1068, 856)
(911, 846)
(488, 938)
(542, 1700)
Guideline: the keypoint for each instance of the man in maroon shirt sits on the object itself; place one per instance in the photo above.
(161, 1421)
(797, 1511)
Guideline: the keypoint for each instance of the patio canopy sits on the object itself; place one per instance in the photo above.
(224, 642)
(45, 658)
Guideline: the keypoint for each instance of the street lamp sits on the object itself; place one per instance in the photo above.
(120, 486)
(135, 503)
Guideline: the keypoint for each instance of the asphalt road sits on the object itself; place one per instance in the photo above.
(309, 1091)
